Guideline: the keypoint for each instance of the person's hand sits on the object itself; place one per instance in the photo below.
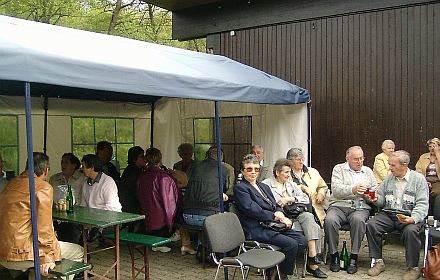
(405, 219)
(436, 148)
(358, 189)
(283, 201)
(45, 267)
(306, 190)
(320, 198)
(225, 197)
(278, 215)
(429, 185)
(287, 222)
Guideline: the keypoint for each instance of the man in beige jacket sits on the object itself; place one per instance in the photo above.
(16, 251)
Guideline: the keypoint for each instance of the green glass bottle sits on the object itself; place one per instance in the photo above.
(343, 258)
(69, 199)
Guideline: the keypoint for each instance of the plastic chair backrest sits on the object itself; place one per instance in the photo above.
(224, 232)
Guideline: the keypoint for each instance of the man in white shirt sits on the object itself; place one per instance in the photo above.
(100, 190)
(348, 206)
(404, 199)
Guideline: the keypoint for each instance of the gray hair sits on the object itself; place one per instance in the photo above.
(249, 158)
(403, 156)
(41, 163)
(257, 146)
(388, 141)
(279, 164)
(351, 149)
(294, 152)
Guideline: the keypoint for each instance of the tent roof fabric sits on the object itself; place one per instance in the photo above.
(62, 61)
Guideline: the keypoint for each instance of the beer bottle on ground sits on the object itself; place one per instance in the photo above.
(343, 258)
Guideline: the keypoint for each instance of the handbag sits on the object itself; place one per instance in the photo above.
(293, 210)
(431, 270)
(274, 225)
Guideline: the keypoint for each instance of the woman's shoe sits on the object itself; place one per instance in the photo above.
(313, 260)
(187, 250)
(318, 273)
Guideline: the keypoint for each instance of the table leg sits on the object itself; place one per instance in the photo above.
(147, 262)
(85, 234)
(117, 257)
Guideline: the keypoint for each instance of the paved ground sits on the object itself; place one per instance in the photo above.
(166, 266)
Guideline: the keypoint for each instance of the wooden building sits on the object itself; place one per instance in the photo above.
(372, 66)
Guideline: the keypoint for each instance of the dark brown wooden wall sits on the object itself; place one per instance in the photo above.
(372, 76)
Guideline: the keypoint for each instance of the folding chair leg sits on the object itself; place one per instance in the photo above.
(216, 273)
(303, 274)
(426, 246)
(279, 274)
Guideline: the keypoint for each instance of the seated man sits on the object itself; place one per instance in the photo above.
(185, 151)
(16, 248)
(201, 197)
(104, 152)
(69, 175)
(347, 205)
(100, 190)
(405, 191)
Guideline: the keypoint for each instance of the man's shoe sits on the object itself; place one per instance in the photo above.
(352, 266)
(163, 249)
(412, 273)
(317, 273)
(377, 269)
(334, 262)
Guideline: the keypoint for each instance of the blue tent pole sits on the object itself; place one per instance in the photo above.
(219, 155)
(219, 166)
(32, 181)
(309, 133)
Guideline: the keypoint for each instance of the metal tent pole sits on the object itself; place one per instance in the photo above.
(219, 156)
(32, 181)
(219, 166)
(46, 107)
(152, 126)
(309, 133)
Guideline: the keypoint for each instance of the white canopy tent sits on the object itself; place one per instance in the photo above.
(39, 59)
(67, 63)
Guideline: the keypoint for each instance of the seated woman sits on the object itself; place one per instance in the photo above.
(381, 168)
(429, 166)
(309, 180)
(255, 204)
(159, 200)
(286, 191)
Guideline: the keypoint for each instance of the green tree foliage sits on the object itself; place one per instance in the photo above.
(133, 19)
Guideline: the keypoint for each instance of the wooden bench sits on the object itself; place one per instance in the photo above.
(146, 242)
(200, 235)
(66, 267)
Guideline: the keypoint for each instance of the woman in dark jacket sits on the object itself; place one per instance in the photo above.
(255, 204)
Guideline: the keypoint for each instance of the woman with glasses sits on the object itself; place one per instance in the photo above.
(286, 192)
(256, 204)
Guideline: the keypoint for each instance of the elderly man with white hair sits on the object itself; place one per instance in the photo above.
(381, 168)
(404, 200)
(348, 206)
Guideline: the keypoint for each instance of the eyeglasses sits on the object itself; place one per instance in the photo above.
(359, 159)
(249, 169)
